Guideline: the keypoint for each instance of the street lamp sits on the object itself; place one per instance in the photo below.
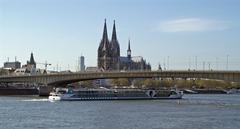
(227, 62)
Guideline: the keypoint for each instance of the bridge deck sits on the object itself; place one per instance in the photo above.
(48, 79)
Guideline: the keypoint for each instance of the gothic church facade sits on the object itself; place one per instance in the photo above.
(109, 58)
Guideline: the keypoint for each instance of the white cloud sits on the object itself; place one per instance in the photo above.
(191, 25)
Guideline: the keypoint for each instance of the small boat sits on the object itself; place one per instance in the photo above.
(233, 91)
(112, 94)
(190, 91)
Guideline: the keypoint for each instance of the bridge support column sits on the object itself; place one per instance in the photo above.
(45, 90)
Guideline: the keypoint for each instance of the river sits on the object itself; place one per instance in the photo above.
(191, 112)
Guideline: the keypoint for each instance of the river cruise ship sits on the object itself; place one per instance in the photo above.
(112, 94)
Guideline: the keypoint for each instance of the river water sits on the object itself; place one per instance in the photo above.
(192, 112)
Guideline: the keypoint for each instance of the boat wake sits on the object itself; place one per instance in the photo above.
(208, 102)
(36, 100)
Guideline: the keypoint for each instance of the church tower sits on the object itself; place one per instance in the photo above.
(104, 56)
(129, 51)
(32, 61)
(129, 56)
(115, 50)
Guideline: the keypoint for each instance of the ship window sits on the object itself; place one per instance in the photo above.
(151, 93)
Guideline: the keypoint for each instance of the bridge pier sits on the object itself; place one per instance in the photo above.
(45, 90)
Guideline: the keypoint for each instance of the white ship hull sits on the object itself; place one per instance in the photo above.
(126, 95)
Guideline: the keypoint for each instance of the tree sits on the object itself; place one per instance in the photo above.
(120, 82)
(87, 84)
(138, 83)
(213, 84)
(236, 85)
(123, 82)
(168, 83)
(149, 83)
(4, 72)
(153, 84)
(115, 82)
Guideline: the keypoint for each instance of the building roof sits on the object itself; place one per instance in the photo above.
(133, 59)
(124, 59)
(137, 58)
(92, 69)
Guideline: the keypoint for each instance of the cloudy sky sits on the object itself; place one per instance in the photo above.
(175, 33)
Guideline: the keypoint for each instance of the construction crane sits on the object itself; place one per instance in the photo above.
(45, 64)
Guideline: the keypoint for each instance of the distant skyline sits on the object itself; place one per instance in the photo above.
(177, 33)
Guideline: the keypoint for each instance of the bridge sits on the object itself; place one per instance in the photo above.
(67, 78)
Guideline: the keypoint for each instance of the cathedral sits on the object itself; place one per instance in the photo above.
(109, 58)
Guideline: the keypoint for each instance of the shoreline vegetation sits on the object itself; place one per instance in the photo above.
(203, 84)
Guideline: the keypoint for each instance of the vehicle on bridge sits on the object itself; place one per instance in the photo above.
(113, 94)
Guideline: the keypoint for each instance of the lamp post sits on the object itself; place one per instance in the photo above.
(196, 63)
(209, 66)
(203, 65)
(189, 63)
(168, 62)
(227, 62)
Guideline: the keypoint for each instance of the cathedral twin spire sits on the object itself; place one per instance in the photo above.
(114, 33)
(109, 51)
(105, 42)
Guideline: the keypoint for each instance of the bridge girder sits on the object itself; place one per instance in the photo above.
(55, 79)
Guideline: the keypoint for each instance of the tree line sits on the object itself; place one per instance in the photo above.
(179, 83)
(163, 83)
